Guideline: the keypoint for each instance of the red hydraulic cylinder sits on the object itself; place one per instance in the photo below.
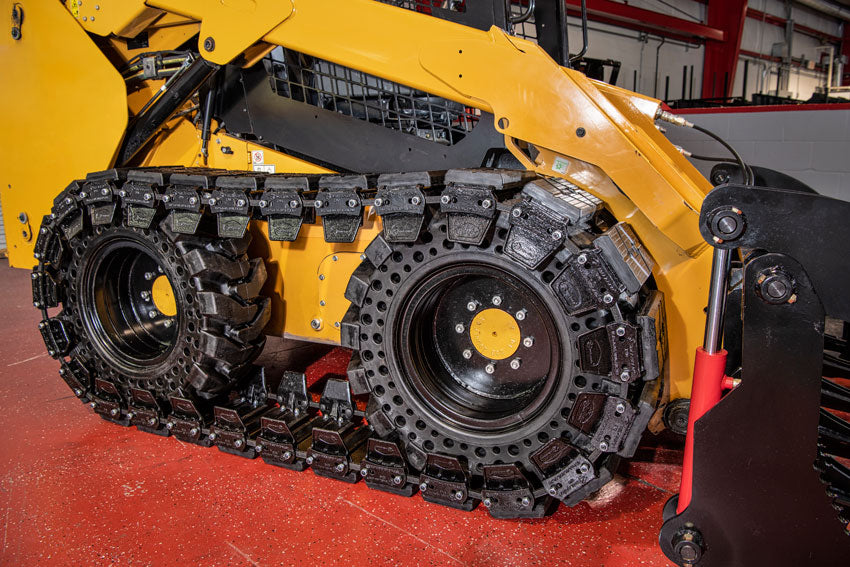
(709, 375)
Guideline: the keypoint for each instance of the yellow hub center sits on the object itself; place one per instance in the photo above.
(495, 334)
(163, 296)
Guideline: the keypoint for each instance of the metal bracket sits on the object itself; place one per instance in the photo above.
(282, 204)
(338, 203)
(444, 481)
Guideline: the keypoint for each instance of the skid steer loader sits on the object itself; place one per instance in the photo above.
(512, 252)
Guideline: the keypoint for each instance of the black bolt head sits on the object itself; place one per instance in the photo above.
(209, 44)
(774, 286)
(580, 132)
(16, 33)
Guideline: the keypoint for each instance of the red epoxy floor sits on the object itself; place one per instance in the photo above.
(75, 490)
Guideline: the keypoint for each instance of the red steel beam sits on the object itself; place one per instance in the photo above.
(721, 58)
(780, 22)
(623, 15)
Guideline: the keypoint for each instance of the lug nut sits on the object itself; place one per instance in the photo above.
(520, 315)
(496, 300)
(490, 368)
(167, 323)
(528, 342)
(149, 276)
(293, 204)
(153, 313)
(556, 235)
(517, 212)
(515, 364)
(472, 305)
(467, 354)
(146, 295)
(459, 328)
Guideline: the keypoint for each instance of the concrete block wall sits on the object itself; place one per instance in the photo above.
(811, 145)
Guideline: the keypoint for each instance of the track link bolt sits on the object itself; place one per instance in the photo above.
(213, 436)
(625, 376)
(193, 431)
(114, 411)
(93, 405)
(212, 202)
(130, 415)
(352, 203)
(192, 200)
(621, 331)
(603, 446)
(445, 199)
(238, 443)
(318, 203)
(487, 502)
(340, 467)
(287, 455)
(552, 491)
(459, 328)
(528, 342)
(620, 408)
(517, 212)
(258, 448)
(78, 392)
(169, 425)
(490, 368)
(293, 204)
(525, 501)
(397, 479)
(364, 471)
(240, 202)
(608, 298)
(459, 495)
(584, 468)
(378, 202)
(309, 460)
(467, 354)
(423, 487)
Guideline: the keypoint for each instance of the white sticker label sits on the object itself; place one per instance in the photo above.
(264, 167)
(560, 165)
(257, 156)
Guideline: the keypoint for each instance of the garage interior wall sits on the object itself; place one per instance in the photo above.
(637, 51)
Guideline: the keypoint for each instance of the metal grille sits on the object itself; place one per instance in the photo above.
(366, 97)
(424, 6)
(528, 28)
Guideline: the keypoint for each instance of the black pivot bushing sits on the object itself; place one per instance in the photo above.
(209, 44)
(775, 287)
(726, 223)
(688, 546)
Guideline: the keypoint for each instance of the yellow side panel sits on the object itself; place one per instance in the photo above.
(64, 111)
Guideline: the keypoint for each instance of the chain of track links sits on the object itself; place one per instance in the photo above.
(538, 221)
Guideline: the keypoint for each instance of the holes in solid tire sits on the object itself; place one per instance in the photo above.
(400, 421)
(397, 400)
(480, 452)
(418, 256)
(580, 381)
(429, 445)
(420, 425)
(366, 319)
(379, 390)
(513, 450)
(395, 278)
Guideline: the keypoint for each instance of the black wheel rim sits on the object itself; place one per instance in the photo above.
(450, 375)
(117, 308)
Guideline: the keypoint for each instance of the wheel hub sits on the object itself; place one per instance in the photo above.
(495, 333)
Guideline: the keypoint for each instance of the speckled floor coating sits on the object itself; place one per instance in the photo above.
(75, 490)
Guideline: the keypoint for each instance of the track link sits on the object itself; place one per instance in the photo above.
(539, 222)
